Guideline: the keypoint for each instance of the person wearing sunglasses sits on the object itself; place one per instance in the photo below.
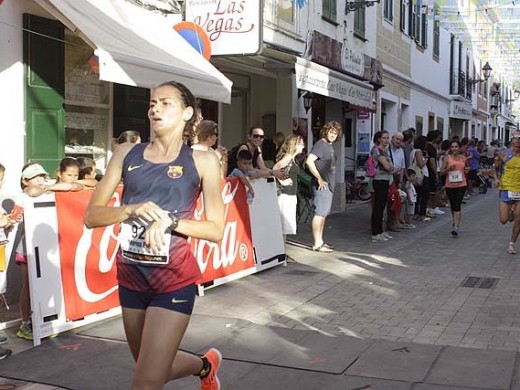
(507, 166)
(256, 137)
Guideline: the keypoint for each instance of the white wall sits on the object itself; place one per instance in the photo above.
(11, 94)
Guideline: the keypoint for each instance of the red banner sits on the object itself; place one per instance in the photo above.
(235, 252)
(87, 257)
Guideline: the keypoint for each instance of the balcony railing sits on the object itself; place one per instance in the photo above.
(460, 84)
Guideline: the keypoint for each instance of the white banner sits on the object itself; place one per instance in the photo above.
(321, 80)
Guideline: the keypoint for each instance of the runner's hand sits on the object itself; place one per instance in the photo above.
(148, 211)
(154, 237)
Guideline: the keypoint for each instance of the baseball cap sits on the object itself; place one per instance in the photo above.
(33, 170)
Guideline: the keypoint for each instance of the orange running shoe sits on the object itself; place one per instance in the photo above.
(210, 381)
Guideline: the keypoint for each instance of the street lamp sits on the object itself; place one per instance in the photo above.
(355, 5)
(307, 101)
(487, 72)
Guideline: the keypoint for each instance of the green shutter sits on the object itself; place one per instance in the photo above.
(44, 91)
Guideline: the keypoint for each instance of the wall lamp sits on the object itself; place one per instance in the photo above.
(355, 5)
(307, 99)
(487, 72)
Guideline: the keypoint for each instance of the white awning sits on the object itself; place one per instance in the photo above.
(327, 82)
(139, 47)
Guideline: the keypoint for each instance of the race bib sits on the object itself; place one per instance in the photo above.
(513, 195)
(455, 176)
(131, 239)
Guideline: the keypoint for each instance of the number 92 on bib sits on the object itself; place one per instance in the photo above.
(133, 248)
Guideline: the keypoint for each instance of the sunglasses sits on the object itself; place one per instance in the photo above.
(261, 136)
(516, 137)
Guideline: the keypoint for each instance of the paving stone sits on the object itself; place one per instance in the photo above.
(274, 378)
(355, 382)
(395, 361)
(473, 368)
(322, 353)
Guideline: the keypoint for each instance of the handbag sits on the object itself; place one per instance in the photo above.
(419, 174)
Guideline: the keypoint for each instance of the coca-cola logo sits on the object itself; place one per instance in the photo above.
(104, 254)
(224, 253)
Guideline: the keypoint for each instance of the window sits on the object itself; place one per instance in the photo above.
(388, 11)
(417, 21)
(424, 27)
(436, 33)
(403, 23)
(411, 18)
(329, 9)
(359, 22)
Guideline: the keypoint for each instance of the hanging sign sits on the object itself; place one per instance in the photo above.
(233, 27)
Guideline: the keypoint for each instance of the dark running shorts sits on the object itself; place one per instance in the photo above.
(181, 301)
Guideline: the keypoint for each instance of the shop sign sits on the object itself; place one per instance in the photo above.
(353, 61)
(460, 110)
(233, 27)
(326, 84)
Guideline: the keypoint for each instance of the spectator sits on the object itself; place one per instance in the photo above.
(419, 158)
(33, 183)
(381, 184)
(87, 172)
(245, 172)
(131, 136)
(207, 137)
(254, 145)
(278, 139)
(5, 222)
(398, 161)
(288, 188)
(474, 164)
(321, 162)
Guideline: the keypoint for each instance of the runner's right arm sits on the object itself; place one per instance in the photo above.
(99, 214)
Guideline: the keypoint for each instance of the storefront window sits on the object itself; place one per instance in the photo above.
(87, 103)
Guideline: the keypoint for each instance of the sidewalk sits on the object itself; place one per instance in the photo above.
(422, 311)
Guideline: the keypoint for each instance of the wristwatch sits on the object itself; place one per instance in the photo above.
(175, 221)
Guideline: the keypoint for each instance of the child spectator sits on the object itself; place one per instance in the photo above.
(33, 183)
(87, 172)
(411, 198)
(244, 171)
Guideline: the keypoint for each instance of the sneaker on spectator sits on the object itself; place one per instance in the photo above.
(455, 232)
(438, 211)
(386, 235)
(430, 213)
(511, 250)
(25, 332)
(211, 381)
(379, 238)
(5, 353)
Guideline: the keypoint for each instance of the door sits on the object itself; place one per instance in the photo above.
(44, 91)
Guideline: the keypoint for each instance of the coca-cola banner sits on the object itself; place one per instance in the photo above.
(235, 252)
(87, 257)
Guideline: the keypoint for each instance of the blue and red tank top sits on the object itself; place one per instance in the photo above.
(175, 187)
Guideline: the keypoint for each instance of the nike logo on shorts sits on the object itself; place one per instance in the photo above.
(175, 300)
(132, 167)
